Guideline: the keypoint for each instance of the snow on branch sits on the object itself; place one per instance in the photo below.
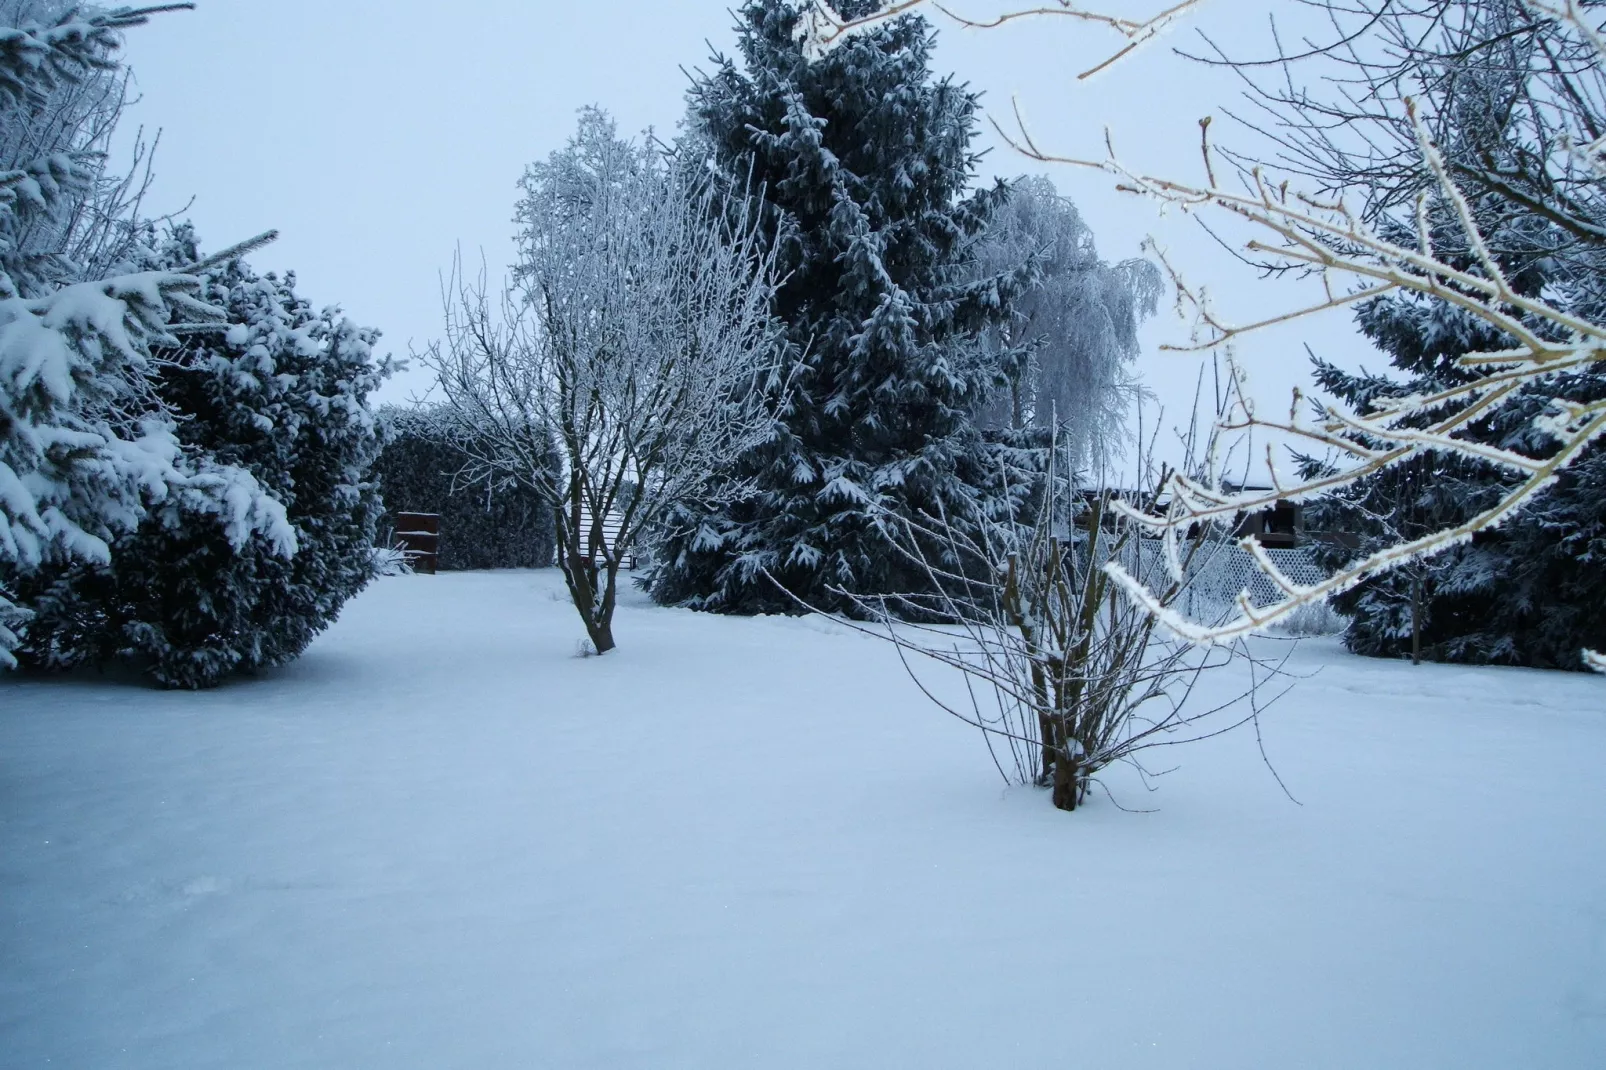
(34, 57)
(1355, 260)
(630, 360)
(822, 29)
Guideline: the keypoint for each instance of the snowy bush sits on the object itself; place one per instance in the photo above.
(1063, 676)
(1315, 619)
(85, 443)
(280, 393)
(389, 561)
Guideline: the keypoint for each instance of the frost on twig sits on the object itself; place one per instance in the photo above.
(823, 29)
(1354, 259)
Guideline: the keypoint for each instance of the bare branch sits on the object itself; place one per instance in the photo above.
(823, 29)
(634, 346)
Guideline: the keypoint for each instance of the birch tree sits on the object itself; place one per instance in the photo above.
(634, 343)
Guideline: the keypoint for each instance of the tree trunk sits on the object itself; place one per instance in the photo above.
(601, 633)
(1067, 782)
(1045, 729)
(1416, 617)
(582, 578)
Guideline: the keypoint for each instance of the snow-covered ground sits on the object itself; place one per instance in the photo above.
(442, 840)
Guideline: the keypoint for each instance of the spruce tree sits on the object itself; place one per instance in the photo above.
(85, 445)
(863, 160)
(281, 393)
(1530, 592)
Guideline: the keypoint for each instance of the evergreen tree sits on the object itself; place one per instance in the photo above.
(85, 445)
(863, 160)
(280, 393)
(1530, 592)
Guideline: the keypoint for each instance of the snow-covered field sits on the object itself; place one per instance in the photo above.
(443, 840)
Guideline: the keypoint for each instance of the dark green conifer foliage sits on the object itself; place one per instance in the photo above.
(1531, 592)
(283, 394)
(864, 161)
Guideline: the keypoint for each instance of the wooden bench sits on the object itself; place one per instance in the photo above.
(418, 535)
(610, 538)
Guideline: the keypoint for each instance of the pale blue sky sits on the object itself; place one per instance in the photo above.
(378, 136)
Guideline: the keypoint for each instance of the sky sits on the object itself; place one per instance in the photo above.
(378, 138)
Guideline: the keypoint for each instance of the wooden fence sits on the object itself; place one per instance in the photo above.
(418, 536)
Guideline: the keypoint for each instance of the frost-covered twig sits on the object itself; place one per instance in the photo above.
(823, 29)
(635, 347)
(1353, 260)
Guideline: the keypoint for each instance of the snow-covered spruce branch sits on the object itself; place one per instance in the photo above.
(823, 29)
(87, 447)
(35, 57)
(631, 359)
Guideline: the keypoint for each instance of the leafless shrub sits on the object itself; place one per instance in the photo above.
(1062, 675)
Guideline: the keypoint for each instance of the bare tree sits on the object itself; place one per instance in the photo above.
(1502, 88)
(634, 344)
(827, 27)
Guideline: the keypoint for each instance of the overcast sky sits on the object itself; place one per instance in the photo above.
(376, 137)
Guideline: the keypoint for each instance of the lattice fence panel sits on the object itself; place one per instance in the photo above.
(1219, 573)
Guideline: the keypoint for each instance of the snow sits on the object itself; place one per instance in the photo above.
(441, 839)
